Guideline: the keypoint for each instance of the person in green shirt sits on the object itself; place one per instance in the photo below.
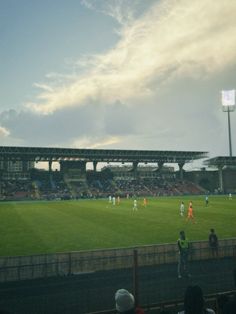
(183, 247)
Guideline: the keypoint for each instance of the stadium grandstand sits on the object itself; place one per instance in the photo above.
(17, 164)
(84, 281)
(144, 171)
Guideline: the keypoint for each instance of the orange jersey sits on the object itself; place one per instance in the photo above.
(190, 212)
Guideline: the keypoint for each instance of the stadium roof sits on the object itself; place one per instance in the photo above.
(221, 161)
(97, 155)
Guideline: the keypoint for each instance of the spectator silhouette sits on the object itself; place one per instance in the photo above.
(213, 243)
(194, 302)
(229, 307)
(125, 303)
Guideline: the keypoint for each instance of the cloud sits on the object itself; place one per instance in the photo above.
(44, 87)
(87, 126)
(123, 11)
(96, 142)
(4, 132)
(172, 39)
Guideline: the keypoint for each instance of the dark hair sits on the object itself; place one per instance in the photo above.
(193, 300)
(212, 230)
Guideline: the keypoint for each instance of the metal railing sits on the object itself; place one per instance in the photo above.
(83, 282)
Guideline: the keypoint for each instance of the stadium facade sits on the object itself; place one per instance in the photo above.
(148, 169)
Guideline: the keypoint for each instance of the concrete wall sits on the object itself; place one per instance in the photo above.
(48, 265)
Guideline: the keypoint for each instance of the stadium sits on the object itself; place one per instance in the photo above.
(69, 231)
(117, 161)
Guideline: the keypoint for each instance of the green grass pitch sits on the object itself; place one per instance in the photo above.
(48, 227)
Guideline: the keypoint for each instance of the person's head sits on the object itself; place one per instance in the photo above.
(193, 300)
(212, 230)
(182, 235)
(124, 301)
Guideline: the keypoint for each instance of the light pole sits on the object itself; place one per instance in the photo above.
(228, 105)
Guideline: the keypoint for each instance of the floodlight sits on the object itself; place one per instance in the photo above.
(228, 100)
(228, 105)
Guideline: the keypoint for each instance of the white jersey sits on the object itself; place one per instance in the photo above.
(182, 209)
(113, 200)
(135, 205)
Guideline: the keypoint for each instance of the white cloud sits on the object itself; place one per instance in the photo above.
(172, 39)
(4, 132)
(93, 142)
(44, 87)
(123, 11)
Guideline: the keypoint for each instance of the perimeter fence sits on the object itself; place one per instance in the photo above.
(15, 268)
(86, 281)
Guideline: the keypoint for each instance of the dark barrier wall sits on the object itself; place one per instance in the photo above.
(60, 264)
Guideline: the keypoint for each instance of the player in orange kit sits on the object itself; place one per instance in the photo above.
(190, 212)
(145, 202)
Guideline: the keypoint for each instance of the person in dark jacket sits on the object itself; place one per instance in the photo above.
(194, 302)
(213, 243)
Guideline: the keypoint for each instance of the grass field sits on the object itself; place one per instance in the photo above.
(48, 227)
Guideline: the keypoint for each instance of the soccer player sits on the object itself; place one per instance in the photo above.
(145, 202)
(206, 200)
(230, 196)
(110, 199)
(181, 209)
(135, 207)
(190, 212)
(118, 200)
(113, 201)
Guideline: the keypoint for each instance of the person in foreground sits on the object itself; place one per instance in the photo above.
(194, 302)
(125, 303)
(229, 306)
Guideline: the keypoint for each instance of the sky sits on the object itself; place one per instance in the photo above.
(117, 74)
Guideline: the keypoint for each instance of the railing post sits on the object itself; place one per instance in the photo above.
(234, 253)
(57, 266)
(70, 265)
(32, 267)
(135, 276)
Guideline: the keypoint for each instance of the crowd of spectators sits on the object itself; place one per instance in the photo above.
(142, 187)
(13, 189)
(42, 184)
